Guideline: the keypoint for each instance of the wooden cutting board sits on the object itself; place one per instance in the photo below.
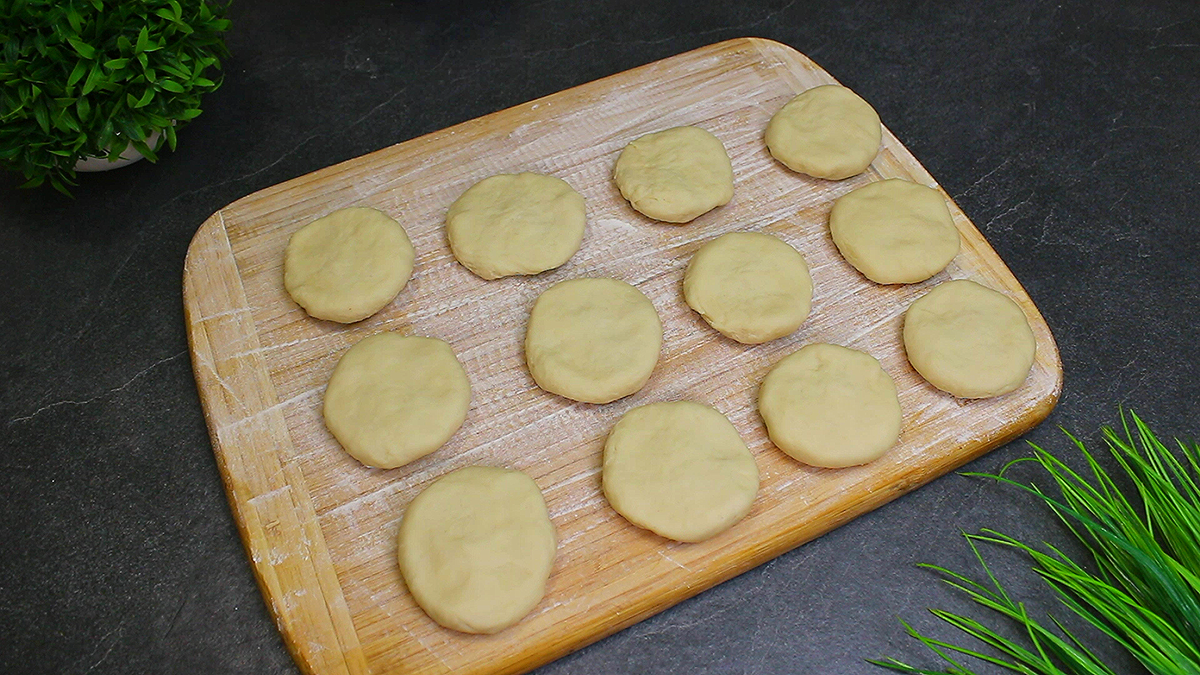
(320, 528)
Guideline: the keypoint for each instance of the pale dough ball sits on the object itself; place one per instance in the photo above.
(826, 132)
(592, 340)
(675, 175)
(347, 265)
(476, 548)
(894, 231)
(511, 224)
(678, 469)
(393, 398)
(750, 286)
(830, 406)
(969, 340)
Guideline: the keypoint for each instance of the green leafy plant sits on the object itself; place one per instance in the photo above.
(1142, 588)
(89, 78)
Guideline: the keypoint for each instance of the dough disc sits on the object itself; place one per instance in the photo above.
(592, 340)
(894, 231)
(969, 340)
(394, 398)
(347, 265)
(512, 224)
(830, 406)
(678, 469)
(750, 286)
(675, 175)
(476, 548)
(826, 132)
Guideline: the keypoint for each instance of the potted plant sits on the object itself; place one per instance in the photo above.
(107, 79)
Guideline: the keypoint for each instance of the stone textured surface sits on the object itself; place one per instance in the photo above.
(1064, 130)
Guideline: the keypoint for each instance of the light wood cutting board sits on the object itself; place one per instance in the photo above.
(321, 529)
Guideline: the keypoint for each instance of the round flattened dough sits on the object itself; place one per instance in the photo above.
(678, 469)
(675, 175)
(347, 265)
(476, 548)
(750, 286)
(826, 132)
(592, 340)
(894, 231)
(830, 406)
(393, 398)
(512, 224)
(969, 340)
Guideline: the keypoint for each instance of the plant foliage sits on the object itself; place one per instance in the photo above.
(1142, 588)
(88, 78)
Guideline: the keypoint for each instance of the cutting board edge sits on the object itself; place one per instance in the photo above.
(513, 114)
(252, 530)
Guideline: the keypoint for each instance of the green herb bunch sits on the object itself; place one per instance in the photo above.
(1141, 586)
(88, 78)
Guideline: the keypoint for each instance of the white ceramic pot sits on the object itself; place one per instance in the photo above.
(129, 156)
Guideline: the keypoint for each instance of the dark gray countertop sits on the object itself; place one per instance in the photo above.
(1066, 131)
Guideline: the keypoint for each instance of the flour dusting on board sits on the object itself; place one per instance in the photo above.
(321, 528)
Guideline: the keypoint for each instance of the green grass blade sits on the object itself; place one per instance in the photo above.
(1142, 588)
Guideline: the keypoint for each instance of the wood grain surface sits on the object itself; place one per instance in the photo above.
(320, 529)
